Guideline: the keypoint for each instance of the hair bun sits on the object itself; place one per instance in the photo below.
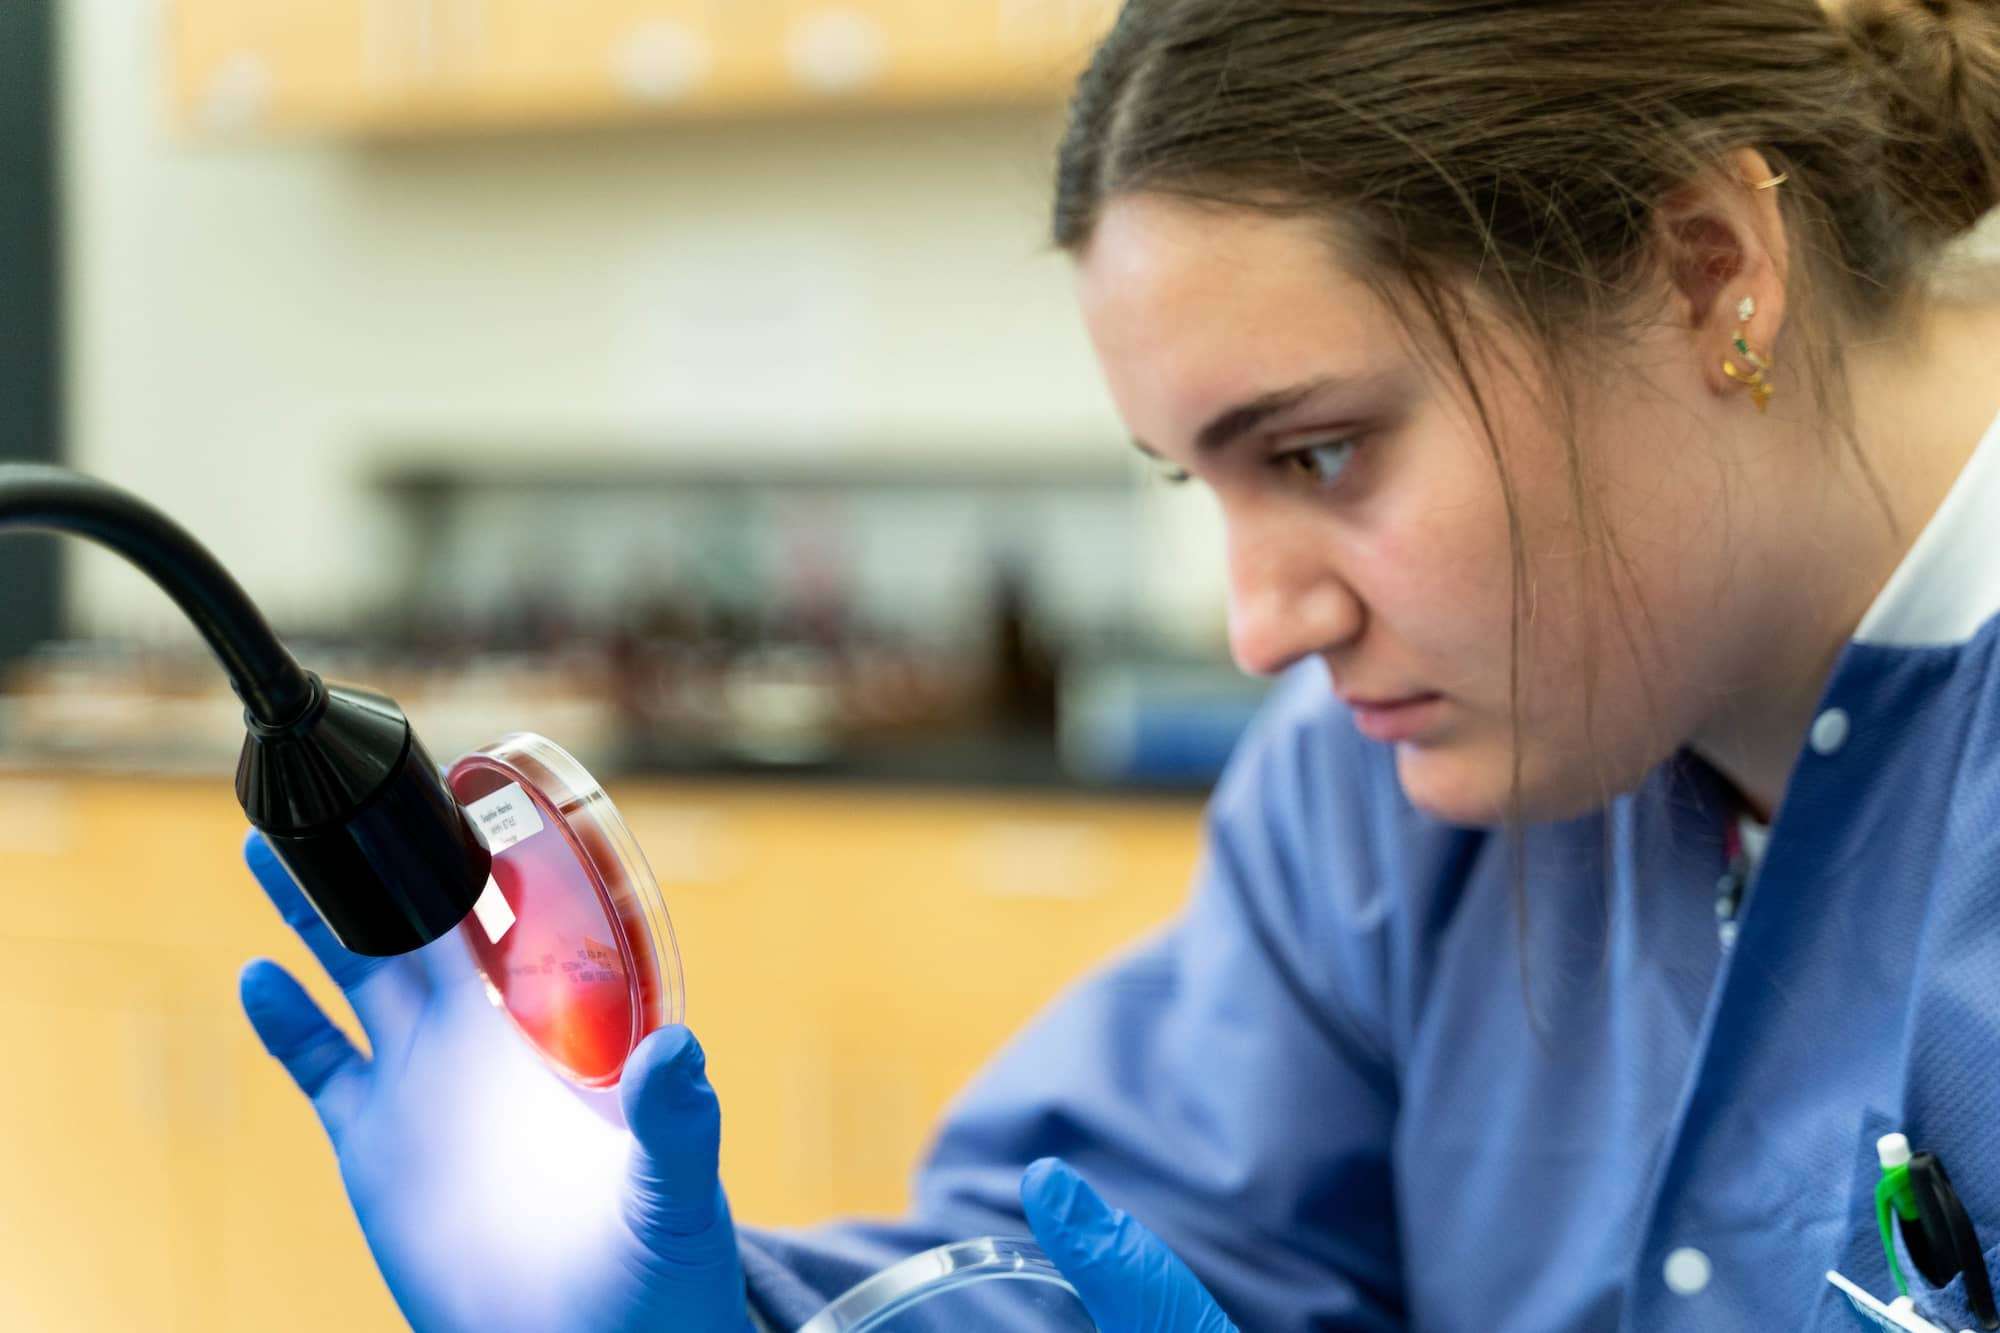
(1936, 67)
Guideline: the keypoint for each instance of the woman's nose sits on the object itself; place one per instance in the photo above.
(1284, 604)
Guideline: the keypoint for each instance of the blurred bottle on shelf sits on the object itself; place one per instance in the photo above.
(1025, 672)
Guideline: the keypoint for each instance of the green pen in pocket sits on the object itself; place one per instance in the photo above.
(1893, 1193)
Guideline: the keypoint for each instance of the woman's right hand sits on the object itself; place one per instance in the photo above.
(492, 1196)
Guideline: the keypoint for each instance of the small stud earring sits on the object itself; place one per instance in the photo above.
(1759, 386)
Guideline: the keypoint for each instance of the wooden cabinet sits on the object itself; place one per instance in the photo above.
(246, 64)
(851, 959)
(414, 66)
(93, 1113)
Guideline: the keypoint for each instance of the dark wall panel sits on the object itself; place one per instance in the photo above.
(30, 415)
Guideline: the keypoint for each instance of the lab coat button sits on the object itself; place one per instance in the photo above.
(1688, 1271)
(1829, 731)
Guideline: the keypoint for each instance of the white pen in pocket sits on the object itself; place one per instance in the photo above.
(1899, 1316)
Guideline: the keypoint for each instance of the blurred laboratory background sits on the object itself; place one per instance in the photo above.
(689, 381)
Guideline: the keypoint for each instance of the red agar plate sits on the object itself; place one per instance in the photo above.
(571, 934)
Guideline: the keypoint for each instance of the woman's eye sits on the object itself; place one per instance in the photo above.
(1321, 464)
(1173, 476)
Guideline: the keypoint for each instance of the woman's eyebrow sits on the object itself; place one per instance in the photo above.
(1238, 421)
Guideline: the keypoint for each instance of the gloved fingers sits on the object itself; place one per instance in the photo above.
(674, 1201)
(676, 1123)
(387, 993)
(318, 1056)
(1128, 1278)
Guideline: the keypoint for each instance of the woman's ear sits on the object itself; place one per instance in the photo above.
(1723, 239)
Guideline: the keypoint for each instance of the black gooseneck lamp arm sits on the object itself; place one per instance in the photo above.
(334, 777)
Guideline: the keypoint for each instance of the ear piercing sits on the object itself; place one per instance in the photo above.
(1760, 387)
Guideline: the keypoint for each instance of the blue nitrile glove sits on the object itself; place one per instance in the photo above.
(492, 1196)
(1129, 1280)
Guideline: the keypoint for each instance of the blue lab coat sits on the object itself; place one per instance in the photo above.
(1324, 1088)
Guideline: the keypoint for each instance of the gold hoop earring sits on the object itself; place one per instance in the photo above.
(1754, 378)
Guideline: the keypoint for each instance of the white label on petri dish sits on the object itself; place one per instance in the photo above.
(505, 818)
(495, 916)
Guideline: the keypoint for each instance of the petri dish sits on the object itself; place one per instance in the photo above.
(991, 1285)
(571, 934)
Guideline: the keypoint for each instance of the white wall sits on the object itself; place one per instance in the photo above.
(248, 325)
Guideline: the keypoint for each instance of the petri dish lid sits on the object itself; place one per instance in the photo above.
(571, 934)
(991, 1285)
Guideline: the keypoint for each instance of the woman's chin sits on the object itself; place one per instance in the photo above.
(1471, 785)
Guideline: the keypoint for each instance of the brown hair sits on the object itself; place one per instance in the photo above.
(1518, 154)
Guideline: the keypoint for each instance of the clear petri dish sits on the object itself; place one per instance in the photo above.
(571, 934)
(990, 1285)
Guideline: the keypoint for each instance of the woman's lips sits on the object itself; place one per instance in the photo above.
(1397, 720)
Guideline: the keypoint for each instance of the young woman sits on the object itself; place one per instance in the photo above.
(1608, 453)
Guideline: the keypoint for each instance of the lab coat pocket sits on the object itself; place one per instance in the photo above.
(1862, 1258)
(1945, 1306)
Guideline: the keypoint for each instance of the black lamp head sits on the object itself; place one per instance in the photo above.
(358, 812)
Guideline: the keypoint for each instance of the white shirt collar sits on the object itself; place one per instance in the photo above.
(1756, 836)
(1949, 583)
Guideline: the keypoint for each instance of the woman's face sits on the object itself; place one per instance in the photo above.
(1366, 522)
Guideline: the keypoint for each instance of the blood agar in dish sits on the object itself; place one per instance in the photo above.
(571, 934)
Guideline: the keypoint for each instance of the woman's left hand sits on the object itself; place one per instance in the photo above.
(1129, 1280)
